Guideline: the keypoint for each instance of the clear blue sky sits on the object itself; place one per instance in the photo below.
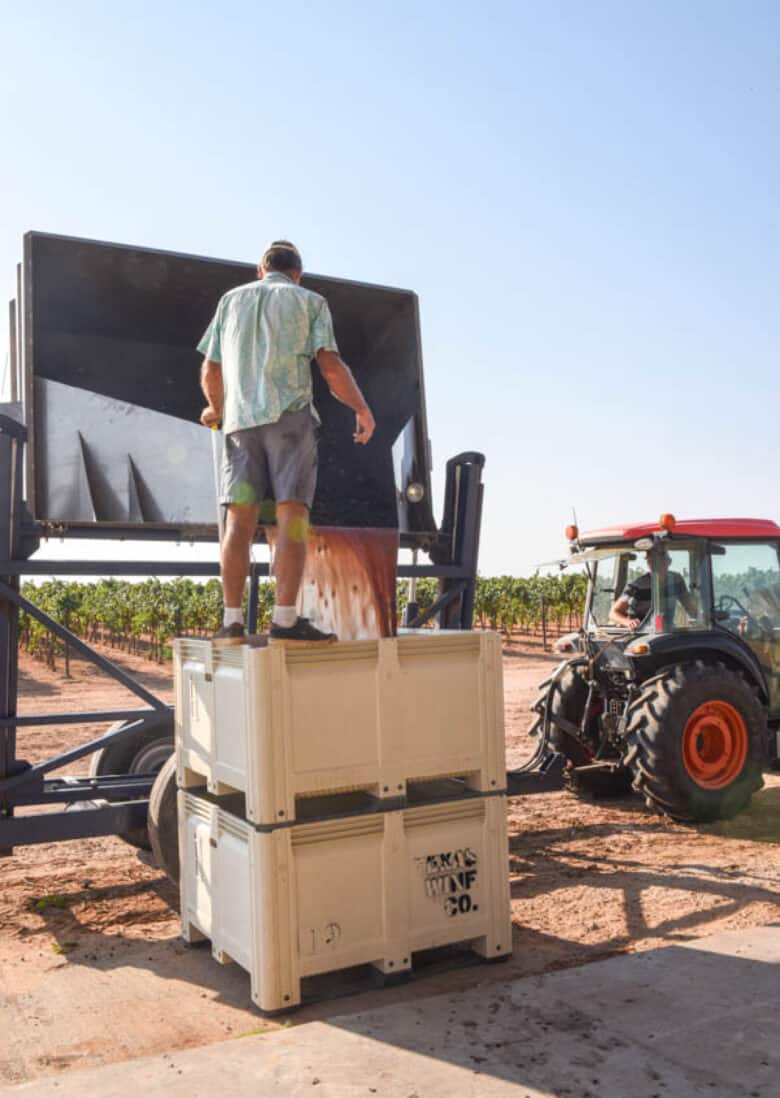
(584, 195)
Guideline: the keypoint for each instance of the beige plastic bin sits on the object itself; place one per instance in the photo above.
(310, 898)
(279, 723)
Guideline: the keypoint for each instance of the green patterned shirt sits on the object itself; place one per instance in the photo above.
(265, 335)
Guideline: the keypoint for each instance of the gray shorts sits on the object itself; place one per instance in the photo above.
(273, 463)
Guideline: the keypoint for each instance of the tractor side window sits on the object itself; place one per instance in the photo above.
(635, 569)
(681, 589)
(604, 590)
(746, 589)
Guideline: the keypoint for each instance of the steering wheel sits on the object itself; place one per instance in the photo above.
(726, 601)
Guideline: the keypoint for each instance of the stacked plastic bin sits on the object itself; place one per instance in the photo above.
(342, 804)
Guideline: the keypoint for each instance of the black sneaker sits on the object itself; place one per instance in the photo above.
(303, 632)
(230, 634)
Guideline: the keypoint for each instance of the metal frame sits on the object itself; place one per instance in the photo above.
(117, 804)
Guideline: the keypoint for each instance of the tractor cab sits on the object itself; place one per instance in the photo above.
(710, 583)
(673, 682)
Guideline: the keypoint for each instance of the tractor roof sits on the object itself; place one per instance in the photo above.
(702, 528)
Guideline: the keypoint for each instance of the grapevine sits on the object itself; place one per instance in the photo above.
(143, 617)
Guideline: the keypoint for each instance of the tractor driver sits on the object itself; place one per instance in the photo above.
(633, 606)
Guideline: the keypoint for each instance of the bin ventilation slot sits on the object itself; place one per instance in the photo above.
(347, 651)
(445, 813)
(196, 806)
(228, 656)
(231, 826)
(328, 830)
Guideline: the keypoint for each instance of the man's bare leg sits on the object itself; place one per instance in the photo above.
(240, 525)
(292, 535)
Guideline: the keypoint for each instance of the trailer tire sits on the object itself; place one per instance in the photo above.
(143, 753)
(696, 742)
(164, 821)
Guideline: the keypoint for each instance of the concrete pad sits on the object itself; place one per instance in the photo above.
(697, 1019)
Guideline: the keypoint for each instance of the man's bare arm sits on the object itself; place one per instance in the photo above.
(338, 377)
(214, 392)
(618, 614)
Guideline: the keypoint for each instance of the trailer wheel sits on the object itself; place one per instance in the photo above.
(144, 753)
(164, 822)
(696, 742)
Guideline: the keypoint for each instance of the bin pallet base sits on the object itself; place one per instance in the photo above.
(194, 774)
(361, 979)
(368, 889)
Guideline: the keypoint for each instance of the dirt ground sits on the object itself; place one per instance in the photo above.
(92, 969)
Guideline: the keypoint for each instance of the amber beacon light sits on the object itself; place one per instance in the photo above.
(572, 533)
(667, 522)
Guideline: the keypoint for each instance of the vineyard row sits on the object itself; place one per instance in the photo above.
(142, 617)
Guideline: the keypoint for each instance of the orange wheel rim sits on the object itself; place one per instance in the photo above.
(715, 744)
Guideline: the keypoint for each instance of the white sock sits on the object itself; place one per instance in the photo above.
(233, 615)
(286, 616)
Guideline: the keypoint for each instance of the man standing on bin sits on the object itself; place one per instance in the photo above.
(256, 377)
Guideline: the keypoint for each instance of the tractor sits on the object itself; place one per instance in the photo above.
(672, 685)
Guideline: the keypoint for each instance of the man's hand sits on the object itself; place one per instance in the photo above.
(210, 417)
(619, 614)
(364, 425)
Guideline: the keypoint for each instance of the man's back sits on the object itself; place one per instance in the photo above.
(265, 334)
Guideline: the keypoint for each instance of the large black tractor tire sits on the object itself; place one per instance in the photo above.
(164, 822)
(568, 698)
(143, 753)
(696, 742)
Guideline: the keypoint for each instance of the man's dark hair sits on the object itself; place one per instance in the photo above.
(282, 256)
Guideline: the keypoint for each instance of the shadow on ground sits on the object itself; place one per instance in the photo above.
(640, 1026)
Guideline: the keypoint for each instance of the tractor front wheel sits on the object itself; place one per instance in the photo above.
(696, 742)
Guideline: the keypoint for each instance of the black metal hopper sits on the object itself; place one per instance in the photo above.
(112, 397)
